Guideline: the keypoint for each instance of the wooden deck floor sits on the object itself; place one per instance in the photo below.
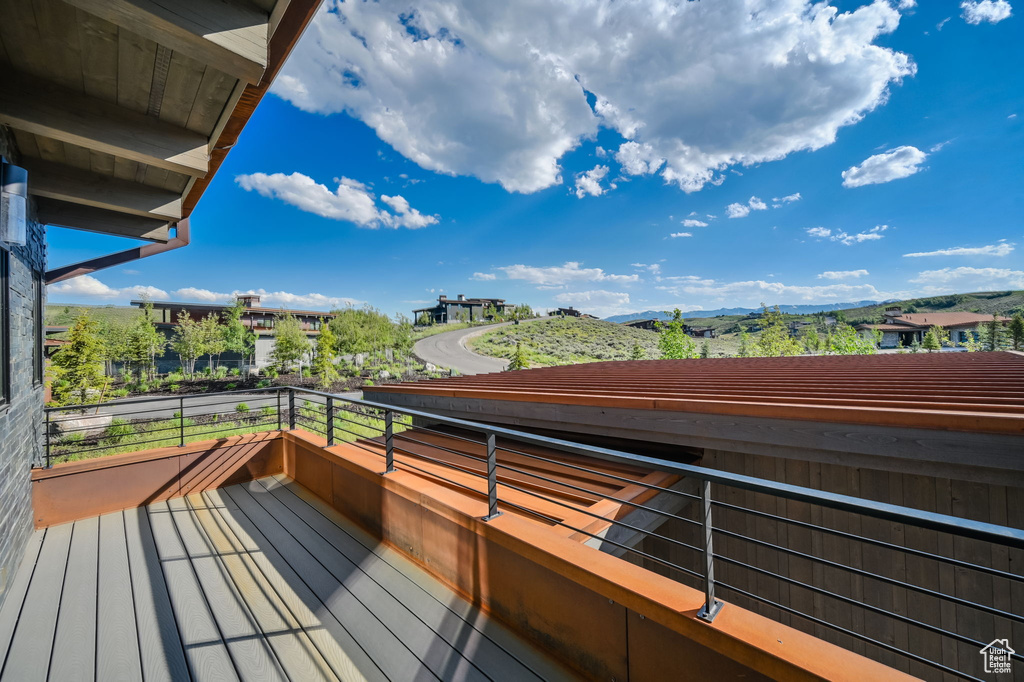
(259, 581)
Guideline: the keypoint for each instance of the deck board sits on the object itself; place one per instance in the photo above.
(257, 581)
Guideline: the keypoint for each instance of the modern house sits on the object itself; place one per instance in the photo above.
(652, 324)
(904, 329)
(460, 309)
(570, 312)
(259, 319)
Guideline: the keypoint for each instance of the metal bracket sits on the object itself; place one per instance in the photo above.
(707, 614)
(491, 516)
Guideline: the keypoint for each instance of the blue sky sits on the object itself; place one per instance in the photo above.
(547, 154)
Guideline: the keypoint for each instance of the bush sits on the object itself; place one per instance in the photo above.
(263, 383)
(231, 387)
(267, 411)
(118, 392)
(235, 372)
(175, 377)
(220, 373)
(119, 431)
(242, 408)
(173, 388)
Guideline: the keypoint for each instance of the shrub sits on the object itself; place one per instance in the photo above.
(118, 392)
(173, 388)
(119, 430)
(242, 408)
(175, 377)
(221, 372)
(263, 383)
(234, 371)
(267, 411)
(231, 387)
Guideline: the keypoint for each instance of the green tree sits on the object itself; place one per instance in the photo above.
(705, 349)
(518, 360)
(290, 342)
(744, 351)
(638, 352)
(324, 354)
(992, 333)
(844, 340)
(1017, 331)
(775, 339)
(673, 341)
(78, 364)
(116, 346)
(212, 340)
(187, 342)
(237, 337)
(931, 341)
(367, 330)
(812, 340)
(145, 342)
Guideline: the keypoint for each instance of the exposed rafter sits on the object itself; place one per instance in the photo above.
(229, 35)
(90, 219)
(77, 186)
(45, 109)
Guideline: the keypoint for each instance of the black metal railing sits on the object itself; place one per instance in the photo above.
(678, 530)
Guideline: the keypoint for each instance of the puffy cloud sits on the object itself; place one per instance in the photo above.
(87, 286)
(590, 182)
(484, 276)
(754, 292)
(351, 201)
(677, 235)
(901, 162)
(846, 238)
(499, 90)
(1001, 249)
(692, 222)
(598, 302)
(968, 279)
(843, 274)
(559, 275)
(992, 11)
(743, 210)
(788, 199)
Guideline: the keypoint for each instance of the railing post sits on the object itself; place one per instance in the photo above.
(330, 421)
(291, 408)
(47, 437)
(492, 479)
(279, 422)
(711, 605)
(181, 421)
(389, 441)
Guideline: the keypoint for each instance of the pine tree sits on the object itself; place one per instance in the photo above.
(992, 333)
(673, 341)
(931, 341)
(78, 364)
(290, 342)
(705, 349)
(1017, 331)
(324, 354)
(744, 351)
(638, 352)
(518, 360)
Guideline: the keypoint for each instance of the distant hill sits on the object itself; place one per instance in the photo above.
(790, 309)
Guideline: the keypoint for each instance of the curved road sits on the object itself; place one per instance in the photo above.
(448, 349)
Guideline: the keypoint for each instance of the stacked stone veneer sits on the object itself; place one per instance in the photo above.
(21, 420)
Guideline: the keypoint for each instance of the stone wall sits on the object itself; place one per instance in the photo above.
(21, 421)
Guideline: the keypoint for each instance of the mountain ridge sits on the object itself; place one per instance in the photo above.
(793, 309)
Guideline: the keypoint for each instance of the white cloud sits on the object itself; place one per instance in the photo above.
(1001, 249)
(590, 182)
(87, 286)
(743, 210)
(942, 23)
(754, 292)
(499, 90)
(559, 275)
(992, 11)
(484, 276)
(901, 162)
(968, 279)
(677, 235)
(788, 199)
(906, 4)
(843, 274)
(352, 201)
(598, 302)
(692, 222)
(846, 238)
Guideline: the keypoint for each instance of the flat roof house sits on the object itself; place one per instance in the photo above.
(459, 309)
(904, 329)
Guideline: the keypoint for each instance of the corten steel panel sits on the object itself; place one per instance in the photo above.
(979, 392)
(568, 598)
(78, 490)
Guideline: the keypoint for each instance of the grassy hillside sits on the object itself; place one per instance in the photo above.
(985, 302)
(60, 315)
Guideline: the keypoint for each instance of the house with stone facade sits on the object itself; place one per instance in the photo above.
(901, 329)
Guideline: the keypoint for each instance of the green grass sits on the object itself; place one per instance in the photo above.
(58, 315)
(564, 341)
(434, 329)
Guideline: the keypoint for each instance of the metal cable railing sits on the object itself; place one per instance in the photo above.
(688, 523)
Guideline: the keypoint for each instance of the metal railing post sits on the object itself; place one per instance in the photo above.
(181, 422)
(279, 422)
(291, 408)
(389, 441)
(711, 605)
(47, 437)
(330, 421)
(492, 479)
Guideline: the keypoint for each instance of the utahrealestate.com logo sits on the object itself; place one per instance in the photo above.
(997, 656)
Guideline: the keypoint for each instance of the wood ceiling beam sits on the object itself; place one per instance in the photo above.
(91, 219)
(78, 186)
(42, 108)
(229, 35)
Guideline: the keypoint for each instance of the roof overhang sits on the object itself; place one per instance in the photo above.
(122, 111)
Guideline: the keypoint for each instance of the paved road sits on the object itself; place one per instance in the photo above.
(448, 349)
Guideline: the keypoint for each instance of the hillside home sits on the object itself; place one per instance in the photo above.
(901, 329)
(460, 309)
(261, 320)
